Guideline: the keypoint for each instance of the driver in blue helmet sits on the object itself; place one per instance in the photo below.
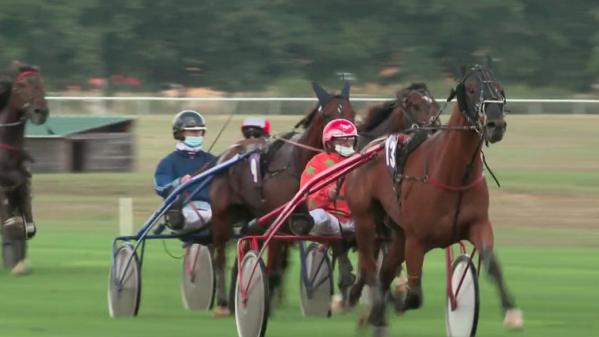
(189, 128)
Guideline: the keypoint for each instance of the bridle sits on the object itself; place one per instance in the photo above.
(25, 106)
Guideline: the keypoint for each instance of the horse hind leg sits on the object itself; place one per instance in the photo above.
(482, 238)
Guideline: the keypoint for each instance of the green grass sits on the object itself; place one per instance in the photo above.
(546, 218)
(66, 296)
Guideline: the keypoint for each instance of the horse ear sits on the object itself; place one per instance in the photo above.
(323, 96)
(345, 90)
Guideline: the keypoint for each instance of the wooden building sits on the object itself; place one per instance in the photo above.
(82, 144)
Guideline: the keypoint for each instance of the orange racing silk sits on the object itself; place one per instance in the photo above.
(320, 199)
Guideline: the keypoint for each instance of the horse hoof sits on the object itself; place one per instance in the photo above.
(513, 319)
(337, 305)
(22, 268)
(221, 312)
(379, 331)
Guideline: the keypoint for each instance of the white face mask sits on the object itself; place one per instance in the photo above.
(345, 151)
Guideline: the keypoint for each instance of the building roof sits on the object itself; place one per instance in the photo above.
(62, 126)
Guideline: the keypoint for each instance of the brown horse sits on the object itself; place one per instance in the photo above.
(441, 198)
(413, 106)
(22, 98)
(236, 197)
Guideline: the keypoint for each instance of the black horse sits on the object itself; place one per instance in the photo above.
(22, 98)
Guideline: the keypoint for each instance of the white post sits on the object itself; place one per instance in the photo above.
(126, 216)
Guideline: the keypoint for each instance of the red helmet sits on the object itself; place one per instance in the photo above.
(256, 122)
(338, 128)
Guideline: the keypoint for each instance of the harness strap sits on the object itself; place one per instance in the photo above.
(462, 188)
(9, 147)
(294, 143)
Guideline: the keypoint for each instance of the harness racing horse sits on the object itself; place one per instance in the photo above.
(413, 106)
(439, 199)
(22, 98)
(240, 195)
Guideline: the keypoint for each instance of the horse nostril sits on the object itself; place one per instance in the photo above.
(496, 124)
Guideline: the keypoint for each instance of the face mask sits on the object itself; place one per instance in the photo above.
(194, 141)
(345, 151)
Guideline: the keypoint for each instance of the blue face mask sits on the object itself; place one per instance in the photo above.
(194, 141)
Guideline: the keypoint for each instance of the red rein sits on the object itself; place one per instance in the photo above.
(26, 73)
(439, 184)
(9, 147)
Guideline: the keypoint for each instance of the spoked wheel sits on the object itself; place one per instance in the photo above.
(463, 319)
(124, 285)
(251, 297)
(13, 251)
(197, 278)
(316, 282)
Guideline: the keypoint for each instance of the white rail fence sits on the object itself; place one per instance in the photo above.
(93, 105)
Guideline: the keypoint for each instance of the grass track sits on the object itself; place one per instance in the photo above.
(547, 229)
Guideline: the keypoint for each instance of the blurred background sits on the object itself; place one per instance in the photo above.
(117, 71)
(546, 48)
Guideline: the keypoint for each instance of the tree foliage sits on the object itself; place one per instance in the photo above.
(249, 44)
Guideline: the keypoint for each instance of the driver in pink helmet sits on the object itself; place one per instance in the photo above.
(328, 206)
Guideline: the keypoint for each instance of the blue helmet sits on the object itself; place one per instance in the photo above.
(187, 120)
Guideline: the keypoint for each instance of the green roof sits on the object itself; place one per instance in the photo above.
(61, 126)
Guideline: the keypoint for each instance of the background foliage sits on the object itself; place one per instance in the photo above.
(241, 45)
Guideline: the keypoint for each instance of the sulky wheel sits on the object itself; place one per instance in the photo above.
(251, 297)
(316, 283)
(197, 278)
(463, 319)
(124, 284)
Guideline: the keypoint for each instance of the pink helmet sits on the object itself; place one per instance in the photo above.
(338, 128)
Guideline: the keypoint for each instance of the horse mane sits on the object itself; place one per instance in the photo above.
(376, 115)
(307, 120)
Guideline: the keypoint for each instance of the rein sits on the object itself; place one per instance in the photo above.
(6, 125)
(294, 143)
(9, 147)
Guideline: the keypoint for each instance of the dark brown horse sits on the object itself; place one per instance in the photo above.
(413, 106)
(236, 197)
(22, 98)
(441, 199)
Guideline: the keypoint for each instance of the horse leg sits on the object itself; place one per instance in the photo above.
(275, 268)
(14, 246)
(346, 277)
(391, 265)
(366, 240)
(414, 252)
(482, 237)
(220, 236)
(24, 201)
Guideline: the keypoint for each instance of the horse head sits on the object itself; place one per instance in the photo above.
(418, 105)
(481, 100)
(329, 107)
(26, 92)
